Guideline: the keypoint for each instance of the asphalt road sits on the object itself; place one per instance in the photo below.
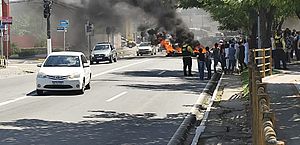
(138, 100)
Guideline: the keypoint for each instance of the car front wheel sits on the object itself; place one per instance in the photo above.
(111, 59)
(81, 91)
(39, 92)
(88, 86)
(115, 59)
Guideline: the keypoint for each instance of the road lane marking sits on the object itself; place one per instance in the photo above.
(115, 69)
(116, 97)
(162, 72)
(96, 75)
(14, 100)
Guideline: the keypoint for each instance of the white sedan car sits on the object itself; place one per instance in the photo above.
(64, 71)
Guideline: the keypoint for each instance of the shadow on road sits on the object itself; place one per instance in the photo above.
(124, 129)
(188, 84)
(54, 93)
(285, 102)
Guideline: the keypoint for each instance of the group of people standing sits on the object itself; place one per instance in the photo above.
(285, 45)
(229, 55)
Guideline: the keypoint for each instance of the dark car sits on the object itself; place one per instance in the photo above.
(103, 52)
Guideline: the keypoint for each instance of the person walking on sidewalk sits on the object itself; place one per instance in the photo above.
(216, 56)
(187, 53)
(201, 62)
(297, 46)
(208, 56)
(241, 57)
(279, 53)
(227, 58)
(288, 39)
(232, 60)
(223, 56)
(246, 45)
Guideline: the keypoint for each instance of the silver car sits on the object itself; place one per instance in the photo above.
(103, 52)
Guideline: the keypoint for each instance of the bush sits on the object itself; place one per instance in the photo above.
(245, 81)
(15, 49)
(31, 52)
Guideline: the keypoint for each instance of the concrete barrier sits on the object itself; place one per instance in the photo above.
(3, 63)
(196, 114)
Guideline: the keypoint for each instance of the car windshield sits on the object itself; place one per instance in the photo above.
(62, 61)
(145, 44)
(101, 47)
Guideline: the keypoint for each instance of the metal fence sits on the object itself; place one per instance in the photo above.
(263, 118)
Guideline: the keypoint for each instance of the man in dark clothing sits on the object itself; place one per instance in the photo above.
(241, 56)
(208, 56)
(222, 57)
(201, 62)
(187, 53)
(296, 46)
(279, 53)
(216, 56)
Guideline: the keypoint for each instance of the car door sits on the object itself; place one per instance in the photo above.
(86, 68)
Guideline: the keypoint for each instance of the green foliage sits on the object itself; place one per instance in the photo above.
(15, 49)
(245, 82)
(31, 52)
(235, 14)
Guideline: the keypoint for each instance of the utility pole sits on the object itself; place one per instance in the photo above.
(47, 14)
(89, 28)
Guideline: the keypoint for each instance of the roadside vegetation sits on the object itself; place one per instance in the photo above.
(245, 82)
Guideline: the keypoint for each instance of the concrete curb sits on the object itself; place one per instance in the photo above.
(196, 114)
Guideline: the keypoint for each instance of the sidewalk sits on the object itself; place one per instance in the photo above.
(283, 89)
(228, 121)
(19, 68)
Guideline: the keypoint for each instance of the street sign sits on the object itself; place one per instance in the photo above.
(63, 23)
(61, 29)
(6, 20)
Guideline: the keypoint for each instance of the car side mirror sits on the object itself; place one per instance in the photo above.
(39, 65)
(86, 65)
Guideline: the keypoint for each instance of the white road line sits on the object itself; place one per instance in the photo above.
(161, 72)
(99, 74)
(200, 129)
(116, 97)
(14, 100)
(112, 70)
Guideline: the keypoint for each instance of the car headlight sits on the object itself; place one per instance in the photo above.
(41, 75)
(74, 76)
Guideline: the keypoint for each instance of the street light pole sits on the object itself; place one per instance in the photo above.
(47, 14)
(49, 47)
(65, 39)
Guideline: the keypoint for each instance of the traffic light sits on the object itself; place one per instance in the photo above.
(89, 27)
(47, 8)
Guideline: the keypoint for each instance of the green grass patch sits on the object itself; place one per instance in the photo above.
(245, 82)
(275, 71)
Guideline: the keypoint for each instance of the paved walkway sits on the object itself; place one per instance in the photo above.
(285, 102)
(228, 120)
(18, 68)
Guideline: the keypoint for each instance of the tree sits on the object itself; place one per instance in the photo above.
(243, 15)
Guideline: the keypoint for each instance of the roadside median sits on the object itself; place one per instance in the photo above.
(196, 114)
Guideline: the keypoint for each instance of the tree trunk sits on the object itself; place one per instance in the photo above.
(253, 28)
(270, 20)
